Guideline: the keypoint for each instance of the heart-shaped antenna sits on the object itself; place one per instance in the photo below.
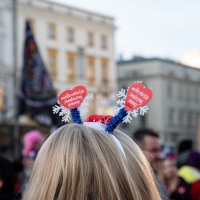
(72, 98)
(137, 96)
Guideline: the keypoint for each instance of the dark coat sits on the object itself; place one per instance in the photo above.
(182, 191)
(10, 196)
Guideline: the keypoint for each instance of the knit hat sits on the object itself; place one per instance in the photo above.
(31, 140)
(194, 159)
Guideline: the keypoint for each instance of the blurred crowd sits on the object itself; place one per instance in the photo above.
(177, 172)
(15, 175)
(181, 173)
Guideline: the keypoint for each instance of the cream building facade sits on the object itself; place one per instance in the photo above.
(77, 47)
(175, 107)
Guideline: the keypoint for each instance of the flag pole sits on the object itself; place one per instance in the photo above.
(15, 81)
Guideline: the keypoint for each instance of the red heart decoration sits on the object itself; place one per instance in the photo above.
(72, 98)
(137, 96)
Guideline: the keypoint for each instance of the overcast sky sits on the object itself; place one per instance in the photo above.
(159, 28)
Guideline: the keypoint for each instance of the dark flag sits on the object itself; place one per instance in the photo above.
(37, 94)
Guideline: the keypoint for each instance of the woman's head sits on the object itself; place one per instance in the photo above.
(169, 169)
(32, 141)
(79, 162)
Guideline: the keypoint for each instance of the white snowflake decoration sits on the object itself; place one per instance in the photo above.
(143, 110)
(66, 117)
(65, 113)
(56, 109)
(122, 94)
(128, 118)
(132, 113)
(62, 111)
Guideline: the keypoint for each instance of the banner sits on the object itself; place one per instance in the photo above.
(37, 95)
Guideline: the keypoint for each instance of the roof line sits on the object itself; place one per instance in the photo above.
(79, 9)
(141, 59)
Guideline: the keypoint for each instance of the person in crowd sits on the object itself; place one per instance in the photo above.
(177, 187)
(184, 147)
(195, 190)
(80, 162)
(32, 142)
(8, 180)
(18, 167)
(150, 144)
(190, 172)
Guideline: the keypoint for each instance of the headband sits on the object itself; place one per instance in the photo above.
(72, 104)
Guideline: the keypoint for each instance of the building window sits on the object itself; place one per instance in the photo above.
(52, 62)
(188, 91)
(104, 42)
(190, 119)
(70, 34)
(169, 90)
(51, 31)
(91, 69)
(90, 39)
(71, 66)
(171, 116)
(196, 94)
(105, 73)
(181, 118)
(1, 97)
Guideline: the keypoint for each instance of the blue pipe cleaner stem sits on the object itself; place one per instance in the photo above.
(76, 118)
(116, 120)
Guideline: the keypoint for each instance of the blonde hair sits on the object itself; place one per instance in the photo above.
(80, 163)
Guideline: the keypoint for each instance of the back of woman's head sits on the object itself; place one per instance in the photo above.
(80, 163)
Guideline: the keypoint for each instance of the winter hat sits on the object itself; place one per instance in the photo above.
(194, 159)
(30, 140)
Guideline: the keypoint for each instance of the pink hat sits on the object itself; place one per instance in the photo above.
(30, 140)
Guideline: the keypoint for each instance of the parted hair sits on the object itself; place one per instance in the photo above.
(77, 162)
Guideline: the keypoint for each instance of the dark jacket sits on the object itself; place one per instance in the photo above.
(182, 191)
(10, 196)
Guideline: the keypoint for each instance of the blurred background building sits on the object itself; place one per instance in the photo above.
(175, 107)
(77, 47)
